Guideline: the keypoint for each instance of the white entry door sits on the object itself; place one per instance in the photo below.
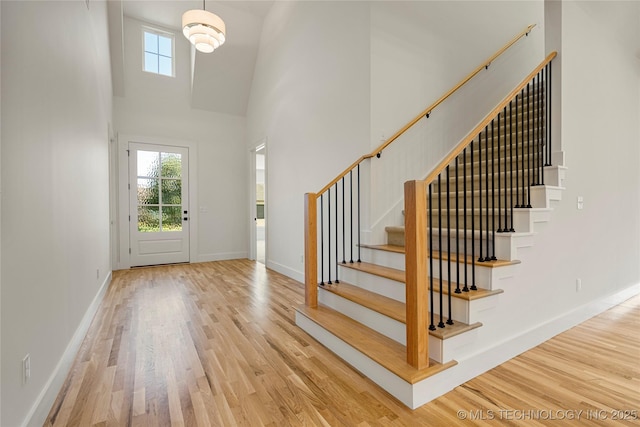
(159, 204)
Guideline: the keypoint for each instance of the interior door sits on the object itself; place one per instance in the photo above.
(159, 204)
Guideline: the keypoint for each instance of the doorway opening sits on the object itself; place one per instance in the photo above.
(260, 201)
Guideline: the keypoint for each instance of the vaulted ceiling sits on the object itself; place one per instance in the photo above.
(221, 82)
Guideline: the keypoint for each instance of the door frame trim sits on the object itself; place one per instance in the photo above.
(122, 259)
(253, 255)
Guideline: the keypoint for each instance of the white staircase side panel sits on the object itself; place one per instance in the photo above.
(387, 326)
(525, 218)
(396, 386)
(543, 195)
(508, 244)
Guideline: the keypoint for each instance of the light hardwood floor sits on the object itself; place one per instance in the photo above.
(216, 344)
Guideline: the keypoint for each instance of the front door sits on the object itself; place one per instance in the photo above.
(159, 205)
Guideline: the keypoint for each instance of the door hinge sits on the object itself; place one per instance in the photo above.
(128, 153)
(129, 251)
(129, 186)
(129, 218)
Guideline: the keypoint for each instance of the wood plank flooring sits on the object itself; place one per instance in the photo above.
(215, 344)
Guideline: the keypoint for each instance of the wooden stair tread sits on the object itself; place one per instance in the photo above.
(378, 270)
(436, 255)
(395, 309)
(399, 276)
(374, 345)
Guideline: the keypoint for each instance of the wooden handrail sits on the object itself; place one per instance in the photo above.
(467, 140)
(430, 108)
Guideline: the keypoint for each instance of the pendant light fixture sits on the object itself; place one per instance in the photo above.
(205, 30)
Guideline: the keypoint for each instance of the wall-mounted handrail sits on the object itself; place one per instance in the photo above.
(486, 121)
(430, 108)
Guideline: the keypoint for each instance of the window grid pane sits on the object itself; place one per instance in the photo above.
(164, 46)
(150, 42)
(158, 53)
(151, 62)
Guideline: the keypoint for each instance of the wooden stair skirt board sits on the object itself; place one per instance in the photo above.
(377, 357)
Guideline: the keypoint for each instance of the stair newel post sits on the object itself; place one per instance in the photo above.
(417, 298)
(310, 250)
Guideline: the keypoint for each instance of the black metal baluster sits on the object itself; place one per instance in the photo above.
(473, 227)
(540, 143)
(473, 213)
(449, 321)
(329, 233)
(547, 105)
(529, 147)
(464, 218)
(432, 326)
(517, 205)
(486, 189)
(458, 227)
(344, 233)
(351, 212)
(321, 240)
(337, 252)
(511, 204)
(549, 139)
(534, 127)
(499, 178)
(441, 323)
(493, 197)
(506, 166)
(359, 230)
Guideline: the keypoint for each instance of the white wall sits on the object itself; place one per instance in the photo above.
(56, 106)
(310, 98)
(600, 137)
(159, 106)
(419, 51)
(322, 107)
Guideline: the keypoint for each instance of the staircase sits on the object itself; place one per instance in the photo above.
(472, 250)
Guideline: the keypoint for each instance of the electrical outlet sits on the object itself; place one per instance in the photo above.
(26, 368)
(578, 285)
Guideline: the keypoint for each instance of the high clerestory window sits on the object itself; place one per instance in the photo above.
(158, 52)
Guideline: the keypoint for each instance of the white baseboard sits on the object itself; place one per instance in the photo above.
(222, 256)
(283, 269)
(45, 400)
(488, 358)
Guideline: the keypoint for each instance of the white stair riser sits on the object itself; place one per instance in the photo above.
(380, 285)
(384, 258)
(461, 308)
(486, 277)
(439, 350)
(370, 318)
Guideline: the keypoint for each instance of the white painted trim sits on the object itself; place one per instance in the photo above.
(469, 366)
(386, 379)
(477, 363)
(287, 271)
(123, 261)
(253, 252)
(221, 256)
(45, 400)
